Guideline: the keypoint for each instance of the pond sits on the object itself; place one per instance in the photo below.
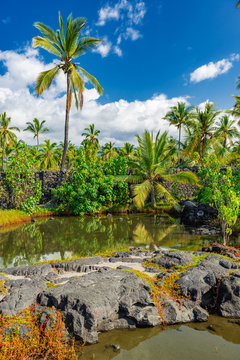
(67, 237)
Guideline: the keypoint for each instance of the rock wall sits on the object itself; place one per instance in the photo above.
(49, 181)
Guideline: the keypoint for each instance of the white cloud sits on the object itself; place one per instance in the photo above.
(104, 48)
(118, 121)
(117, 51)
(123, 8)
(212, 70)
(129, 13)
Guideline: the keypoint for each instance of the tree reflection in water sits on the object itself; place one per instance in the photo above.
(66, 237)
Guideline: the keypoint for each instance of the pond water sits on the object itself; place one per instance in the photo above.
(67, 237)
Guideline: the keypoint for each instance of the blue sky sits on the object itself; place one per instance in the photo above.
(156, 53)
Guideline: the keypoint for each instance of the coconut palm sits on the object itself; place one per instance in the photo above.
(7, 135)
(151, 166)
(91, 134)
(36, 128)
(127, 149)
(67, 46)
(226, 129)
(108, 150)
(179, 116)
(201, 129)
(48, 155)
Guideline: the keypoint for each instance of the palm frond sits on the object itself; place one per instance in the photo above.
(183, 177)
(85, 44)
(141, 192)
(45, 79)
(92, 80)
(43, 43)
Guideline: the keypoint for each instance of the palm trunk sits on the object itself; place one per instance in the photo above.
(225, 142)
(65, 148)
(179, 142)
(153, 198)
(3, 148)
(37, 141)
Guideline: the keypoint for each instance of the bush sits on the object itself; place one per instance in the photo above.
(90, 188)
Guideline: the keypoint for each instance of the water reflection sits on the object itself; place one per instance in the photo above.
(81, 236)
(218, 338)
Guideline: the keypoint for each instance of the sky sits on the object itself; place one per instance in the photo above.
(156, 53)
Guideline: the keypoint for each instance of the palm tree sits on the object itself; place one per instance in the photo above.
(201, 129)
(179, 116)
(67, 46)
(127, 149)
(36, 128)
(238, 4)
(91, 134)
(151, 166)
(226, 129)
(108, 150)
(48, 155)
(7, 136)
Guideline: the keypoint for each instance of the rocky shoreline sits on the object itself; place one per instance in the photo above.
(124, 290)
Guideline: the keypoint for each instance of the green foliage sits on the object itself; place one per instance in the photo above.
(90, 188)
(25, 190)
(220, 191)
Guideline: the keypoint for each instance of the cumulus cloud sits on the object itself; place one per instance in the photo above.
(104, 48)
(212, 70)
(118, 121)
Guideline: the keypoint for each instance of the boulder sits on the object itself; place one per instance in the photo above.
(100, 300)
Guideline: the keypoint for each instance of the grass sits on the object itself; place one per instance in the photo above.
(40, 342)
(9, 217)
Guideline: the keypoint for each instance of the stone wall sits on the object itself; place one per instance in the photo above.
(49, 181)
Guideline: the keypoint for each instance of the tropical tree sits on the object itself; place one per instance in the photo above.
(127, 149)
(201, 129)
(48, 155)
(36, 128)
(179, 116)
(151, 166)
(108, 150)
(91, 135)
(7, 135)
(226, 129)
(67, 46)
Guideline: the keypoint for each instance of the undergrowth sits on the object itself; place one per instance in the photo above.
(40, 341)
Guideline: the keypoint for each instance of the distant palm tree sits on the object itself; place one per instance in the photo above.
(48, 155)
(91, 134)
(7, 136)
(108, 150)
(36, 128)
(226, 129)
(66, 46)
(179, 116)
(151, 166)
(127, 149)
(201, 129)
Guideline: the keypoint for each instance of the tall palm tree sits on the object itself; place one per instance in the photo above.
(91, 134)
(179, 116)
(48, 155)
(37, 128)
(201, 129)
(67, 46)
(7, 136)
(151, 166)
(226, 129)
